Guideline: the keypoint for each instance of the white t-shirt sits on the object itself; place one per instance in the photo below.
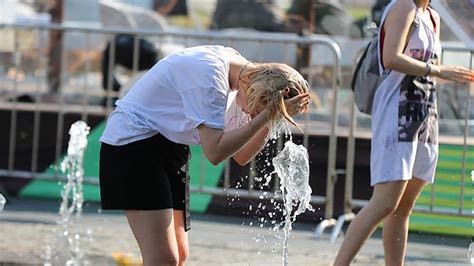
(182, 91)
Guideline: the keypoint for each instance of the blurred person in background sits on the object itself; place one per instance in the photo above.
(306, 17)
(260, 15)
(377, 11)
(404, 147)
(56, 9)
(171, 7)
(319, 17)
(164, 8)
(124, 44)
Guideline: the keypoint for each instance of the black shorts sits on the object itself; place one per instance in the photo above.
(149, 174)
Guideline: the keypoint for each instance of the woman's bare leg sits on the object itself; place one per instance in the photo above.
(395, 229)
(181, 236)
(384, 200)
(155, 233)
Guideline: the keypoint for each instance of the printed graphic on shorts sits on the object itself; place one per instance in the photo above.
(417, 114)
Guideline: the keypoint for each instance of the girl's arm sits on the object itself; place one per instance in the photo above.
(219, 145)
(397, 27)
(252, 148)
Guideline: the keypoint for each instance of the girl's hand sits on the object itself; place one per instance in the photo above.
(297, 104)
(453, 73)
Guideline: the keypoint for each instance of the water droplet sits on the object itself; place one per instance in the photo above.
(2, 202)
(470, 254)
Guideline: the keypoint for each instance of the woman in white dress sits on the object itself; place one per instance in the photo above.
(404, 149)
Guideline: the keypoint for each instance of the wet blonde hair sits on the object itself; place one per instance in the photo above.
(267, 82)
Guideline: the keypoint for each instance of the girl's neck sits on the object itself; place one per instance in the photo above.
(242, 78)
(423, 4)
(237, 69)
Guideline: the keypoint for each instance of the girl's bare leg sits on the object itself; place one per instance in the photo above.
(181, 236)
(395, 229)
(155, 233)
(384, 201)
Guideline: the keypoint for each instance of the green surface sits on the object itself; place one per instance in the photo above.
(199, 167)
(52, 190)
(446, 225)
(447, 194)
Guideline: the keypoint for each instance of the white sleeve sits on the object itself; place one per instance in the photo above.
(205, 106)
(235, 117)
(203, 89)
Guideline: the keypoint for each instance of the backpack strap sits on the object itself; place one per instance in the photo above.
(433, 20)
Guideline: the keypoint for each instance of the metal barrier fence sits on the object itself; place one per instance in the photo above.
(285, 43)
(350, 203)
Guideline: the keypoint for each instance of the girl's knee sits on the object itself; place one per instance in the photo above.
(404, 209)
(387, 210)
(383, 209)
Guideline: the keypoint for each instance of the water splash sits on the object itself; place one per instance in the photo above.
(3, 201)
(292, 166)
(278, 128)
(72, 167)
(470, 254)
(69, 237)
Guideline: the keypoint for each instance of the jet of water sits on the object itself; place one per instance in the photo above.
(470, 254)
(72, 167)
(72, 198)
(292, 166)
(2, 202)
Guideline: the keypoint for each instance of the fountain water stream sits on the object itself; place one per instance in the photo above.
(292, 166)
(2, 202)
(69, 238)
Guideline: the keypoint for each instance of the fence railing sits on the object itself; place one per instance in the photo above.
(255, 46)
